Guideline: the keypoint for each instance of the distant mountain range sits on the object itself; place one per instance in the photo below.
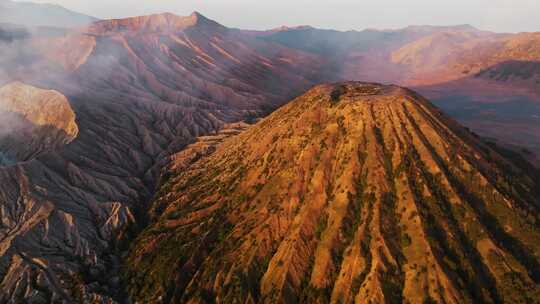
(458, 67)
(34, 14)
(153, 93)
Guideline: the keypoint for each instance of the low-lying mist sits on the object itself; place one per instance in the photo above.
(15, 53)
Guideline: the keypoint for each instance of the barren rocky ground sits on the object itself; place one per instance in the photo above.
(352, 192)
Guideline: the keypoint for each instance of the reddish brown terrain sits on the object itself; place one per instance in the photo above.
(33, 121)
(351, 193)
(133, 95)
(41, 14)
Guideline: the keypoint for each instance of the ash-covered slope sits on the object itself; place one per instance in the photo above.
(138, 95)
(353, 192)
(36, 14)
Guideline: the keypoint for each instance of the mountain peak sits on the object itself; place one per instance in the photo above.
(339, 196)
(34, 121)
(163, 22)
(196, 14)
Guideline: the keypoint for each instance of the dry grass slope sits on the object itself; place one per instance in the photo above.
(351, 193)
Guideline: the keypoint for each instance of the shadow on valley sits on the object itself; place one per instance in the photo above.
(507, 70)
(509, 114)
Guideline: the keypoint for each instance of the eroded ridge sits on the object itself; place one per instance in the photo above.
(351, 193)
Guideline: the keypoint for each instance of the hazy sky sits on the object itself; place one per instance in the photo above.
(496, 15)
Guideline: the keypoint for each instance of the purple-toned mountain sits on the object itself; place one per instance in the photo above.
(140, 90)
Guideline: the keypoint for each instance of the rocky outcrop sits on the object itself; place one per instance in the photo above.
(40, 107)
(139, 96)
(41, 14)
(33, 121)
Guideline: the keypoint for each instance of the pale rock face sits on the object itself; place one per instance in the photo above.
(351, 193)
(35, 232)
(39, 106)
(33, 121)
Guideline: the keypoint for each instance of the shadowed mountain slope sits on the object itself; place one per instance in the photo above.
(353, 192)
(139, 96)
(156, 23)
